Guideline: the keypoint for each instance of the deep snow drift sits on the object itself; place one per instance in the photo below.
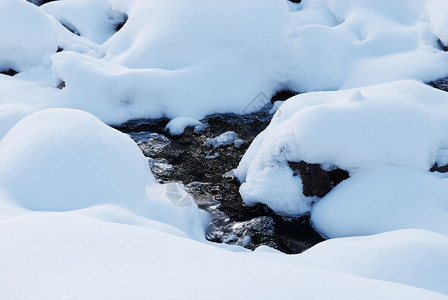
(81, 215)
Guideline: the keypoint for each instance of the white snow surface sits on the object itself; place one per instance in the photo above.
(412, 257)
(200, 57)
(64, 159)
(73, 255)
(81, 215)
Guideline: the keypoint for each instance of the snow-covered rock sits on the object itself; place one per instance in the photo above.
(401, 124)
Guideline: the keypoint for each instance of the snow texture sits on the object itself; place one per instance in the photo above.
(81, 215)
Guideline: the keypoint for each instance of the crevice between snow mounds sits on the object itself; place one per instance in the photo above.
(40, 2)
(315, 180)
(440, 169)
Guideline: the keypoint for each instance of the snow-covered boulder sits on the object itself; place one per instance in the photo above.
(386, 128)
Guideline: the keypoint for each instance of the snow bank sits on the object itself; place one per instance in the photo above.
(175, 59)
(62, 159)
(28, 37)
(359, 43)
(383, 200)
(66, 255)
(401, 124)
(94, 20)
(413, 257)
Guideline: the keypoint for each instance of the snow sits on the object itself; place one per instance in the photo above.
(73, 255)
(63, 159)
(23, 47)
(383, 200)
(413, 257)
(399, 124)
(82, 216)
(225, 139)
(177, 126)
(191, 59)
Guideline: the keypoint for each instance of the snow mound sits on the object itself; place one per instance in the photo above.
(94, 20)
(60, 159)
(401, 124)
(64, 159)
(371, 42)
(177, 126)
(383, 200)
(25, 46)
(412, 257)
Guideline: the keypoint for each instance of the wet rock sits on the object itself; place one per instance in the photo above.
(150, 143)
(440, 169)
(315, 180)
(40, 2)
(9, 72)
(207, 173)
(442, 46)
(283, 95)
(441, 84)
(61, 85)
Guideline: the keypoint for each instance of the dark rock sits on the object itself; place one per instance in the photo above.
(295, 1)
(316, 181)
(442, 46)
(9, 72)
(121, 22)
(283, 95)
(40, 2)
(441, 84)
(440, 169)
(61, 85)
(207, 174)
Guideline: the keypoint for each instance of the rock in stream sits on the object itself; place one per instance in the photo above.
(205, 163)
